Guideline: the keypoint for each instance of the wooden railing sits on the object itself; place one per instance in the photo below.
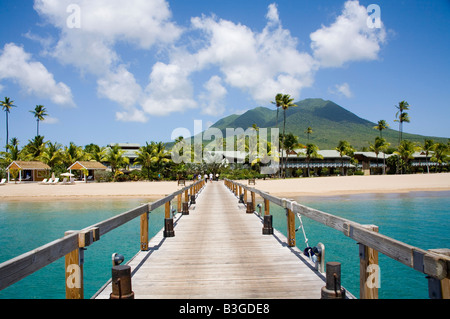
(72, 245)
(434, 263)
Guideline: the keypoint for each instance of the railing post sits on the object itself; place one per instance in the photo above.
(251, 204)
(290, 227)
(168, 222)
(369, 270)
(179, 201)
(74, 272)
(144, 231)
(74, 263)
(268, 219)
(439, 288)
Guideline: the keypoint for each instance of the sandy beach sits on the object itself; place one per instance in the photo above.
(319, 186)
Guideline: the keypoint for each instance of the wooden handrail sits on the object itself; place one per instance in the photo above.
(428, 262)
(18, 268)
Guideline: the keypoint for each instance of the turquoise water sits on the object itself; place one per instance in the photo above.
(419, 219)
(25, 226)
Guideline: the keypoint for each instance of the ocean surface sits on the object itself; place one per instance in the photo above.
(420, 219)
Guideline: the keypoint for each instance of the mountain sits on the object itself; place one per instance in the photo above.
(329, 121)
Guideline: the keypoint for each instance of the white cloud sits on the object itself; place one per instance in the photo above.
(213, 98)
(253, 61)
(342, 89)
(260, 63)
(348, 39)
(169, 90)
(50, 120)
(104, 24)
(33, 77)
(120, 86)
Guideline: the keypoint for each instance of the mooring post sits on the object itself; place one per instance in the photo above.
(369, 270)
(333, 289)
(168, 222)
(121, 283)
(144, 231)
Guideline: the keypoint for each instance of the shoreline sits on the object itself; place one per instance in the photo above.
(295, 187)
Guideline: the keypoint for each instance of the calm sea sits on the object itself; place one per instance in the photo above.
(420, 219)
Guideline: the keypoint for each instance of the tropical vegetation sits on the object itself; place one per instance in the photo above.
(154, 161)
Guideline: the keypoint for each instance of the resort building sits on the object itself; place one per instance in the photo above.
(130, 151)
(331, 160)
(32, 171)
(90, 166)
(370, 163)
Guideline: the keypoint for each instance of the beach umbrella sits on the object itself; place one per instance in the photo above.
(67, 174)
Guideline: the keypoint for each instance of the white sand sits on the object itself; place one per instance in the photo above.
(342, 185)
(36, 191)
(317, 186)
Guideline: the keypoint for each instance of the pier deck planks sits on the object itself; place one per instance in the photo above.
(219, 252)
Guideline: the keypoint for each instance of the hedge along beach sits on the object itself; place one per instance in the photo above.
(317, 186)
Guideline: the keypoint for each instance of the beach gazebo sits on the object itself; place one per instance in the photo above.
(90, 166)
(32, 171)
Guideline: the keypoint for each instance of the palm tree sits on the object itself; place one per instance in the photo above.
(72, 154)
(7, 104)
(145, 158)
(52, 155)
(344, 148)
(440, 154)
(35, 147)
(309, 131)
(278, 101)
(312, 151)
(402, 117)
(290, 142)
(114, 155)
(382, 125)
(380, 145)
(286, 103)
(14, 153)
(39, 113)
(406, 150)
(428, 147)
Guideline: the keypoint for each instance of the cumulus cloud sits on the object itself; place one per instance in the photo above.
(253, 61)
(261, 63)
(342, 89)
(33, 77)
(348, 39)
(90, 46)
(213, 99)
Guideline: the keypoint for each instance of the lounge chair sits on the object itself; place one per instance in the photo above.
(56, 181)
(66, 182)
(3, 182)
(44, 182)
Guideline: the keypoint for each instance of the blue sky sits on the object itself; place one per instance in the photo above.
(134, 71)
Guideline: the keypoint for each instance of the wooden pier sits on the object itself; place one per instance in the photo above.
(219, 247)
(219, 251)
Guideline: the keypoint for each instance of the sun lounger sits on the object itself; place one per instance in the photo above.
(56, 181)
(3, 182)
(43, 182)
